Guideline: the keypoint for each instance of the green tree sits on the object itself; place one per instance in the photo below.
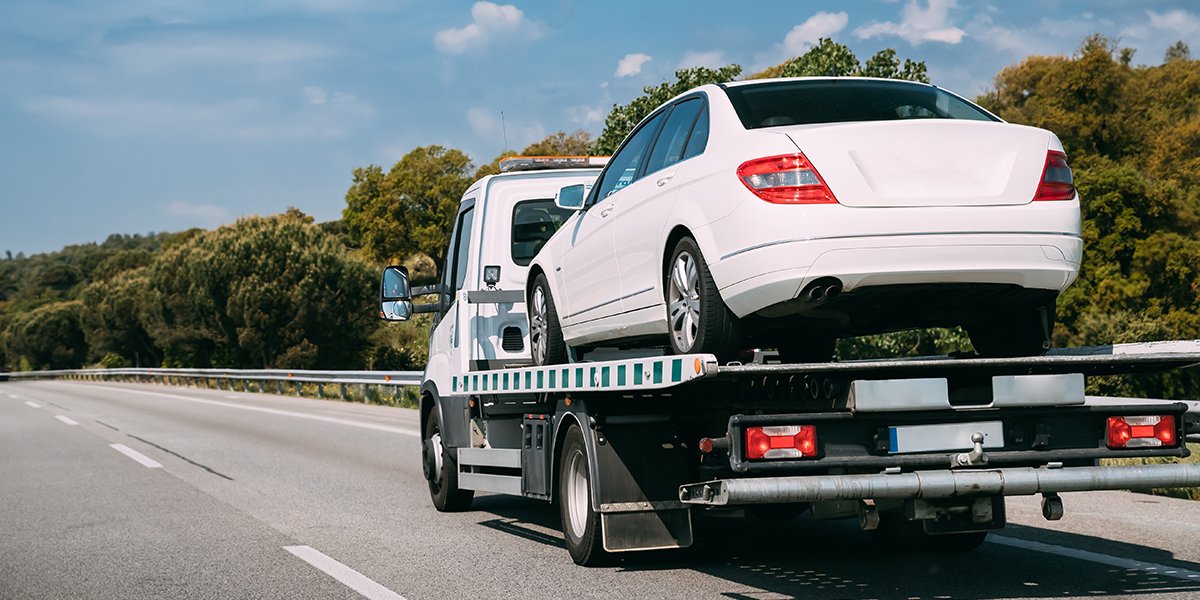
(624, 117)
(114, 318)
(263, 292)
(829, 58)
(48, 337)
(410, 208)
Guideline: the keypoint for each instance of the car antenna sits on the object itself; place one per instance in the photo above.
(833, 72)
(504, 131)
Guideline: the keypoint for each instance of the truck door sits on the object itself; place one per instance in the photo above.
(448, 352)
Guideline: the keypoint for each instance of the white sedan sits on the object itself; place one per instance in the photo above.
(787, 213)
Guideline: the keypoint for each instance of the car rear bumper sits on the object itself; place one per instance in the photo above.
(770, 273)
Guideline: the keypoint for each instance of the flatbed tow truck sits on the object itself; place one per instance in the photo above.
(922, 451)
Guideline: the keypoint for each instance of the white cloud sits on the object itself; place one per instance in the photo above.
(918, 25)
(632, 64)
(489, 21)
(188, 52)
(482, 121)
(808, 33)
(197, 213)
(315, 95)
(711, 59)
(585, 116)
(1176, 21)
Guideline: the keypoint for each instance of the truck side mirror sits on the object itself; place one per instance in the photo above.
(571, 197)
(395, 296)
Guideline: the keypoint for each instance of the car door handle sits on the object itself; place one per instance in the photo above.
(664, 180)
(604, 213)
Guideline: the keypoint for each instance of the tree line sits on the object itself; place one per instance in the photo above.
(283, 291)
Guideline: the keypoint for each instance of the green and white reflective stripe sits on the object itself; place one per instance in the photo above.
(615, 375)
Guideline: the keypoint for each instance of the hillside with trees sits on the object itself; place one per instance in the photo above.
(282, 291)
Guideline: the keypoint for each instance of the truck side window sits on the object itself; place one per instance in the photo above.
(623, 167)
(533, 222)
(455, 271)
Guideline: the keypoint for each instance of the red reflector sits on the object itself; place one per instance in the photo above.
(781, 441)
(785, 179)
(1141, 432)
(706, 445)
(1057, 182)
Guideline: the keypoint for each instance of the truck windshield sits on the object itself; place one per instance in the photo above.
(847, 100)
(534, 221)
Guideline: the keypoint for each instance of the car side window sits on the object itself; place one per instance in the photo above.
(669, 147)
(699, 137)
(623, 167)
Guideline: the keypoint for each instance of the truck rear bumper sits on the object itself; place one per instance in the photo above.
(1017, 481)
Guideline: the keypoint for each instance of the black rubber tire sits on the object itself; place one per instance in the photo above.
(555, 349)
(899, 535)
(587, 546)
(1014, 333)
(717, 329)
(807, 349)
(444, 492)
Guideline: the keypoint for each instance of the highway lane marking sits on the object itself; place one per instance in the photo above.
(32, 404)
(67, 420)
(146, 461)
(14, 396)
(286, 413)
(1104, 559)
(345, 575)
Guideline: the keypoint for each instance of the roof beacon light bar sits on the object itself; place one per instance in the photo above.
(540, 163)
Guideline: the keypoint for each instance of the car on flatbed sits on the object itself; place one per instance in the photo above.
(787, 213)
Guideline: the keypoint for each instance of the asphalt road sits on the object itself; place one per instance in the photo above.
(139, 491)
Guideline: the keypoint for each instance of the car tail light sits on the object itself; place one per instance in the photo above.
(785, 179)
(781, 441)
(1141, 432)
(1057, 182)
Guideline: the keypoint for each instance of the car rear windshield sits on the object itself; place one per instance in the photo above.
(534, 221)
(840, 101)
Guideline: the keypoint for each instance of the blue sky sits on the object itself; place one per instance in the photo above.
(130, 116)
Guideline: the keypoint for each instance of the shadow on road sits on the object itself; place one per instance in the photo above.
(835, 559)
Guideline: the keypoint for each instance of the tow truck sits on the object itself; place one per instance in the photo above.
(633, 444)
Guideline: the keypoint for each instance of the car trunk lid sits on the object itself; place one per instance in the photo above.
(925, 162)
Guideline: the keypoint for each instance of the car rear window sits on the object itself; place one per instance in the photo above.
(534, 221)
(839, 101)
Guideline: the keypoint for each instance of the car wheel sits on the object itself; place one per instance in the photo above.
(697, 318)
(581, 524)
(546, 343)
(441, 470)
(1013, 333)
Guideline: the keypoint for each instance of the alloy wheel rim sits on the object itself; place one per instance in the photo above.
(683, 301)
(537, 326)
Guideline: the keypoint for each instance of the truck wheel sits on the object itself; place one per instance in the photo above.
(546, 343)
(441, 470)
(1014, 333)
(581, 524)
(897, 534)
(697, 318)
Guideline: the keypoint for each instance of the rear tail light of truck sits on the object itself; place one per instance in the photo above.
(785, 179)
(781, 441)
(1057, 182)
(1142, 432)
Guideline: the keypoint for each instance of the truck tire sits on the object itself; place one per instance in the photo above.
(442, 474)
(899, 535)
(546, 344)
(697, 319)
(1014, 333)
(581, 524)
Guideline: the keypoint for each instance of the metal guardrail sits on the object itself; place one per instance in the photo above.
(232, 378)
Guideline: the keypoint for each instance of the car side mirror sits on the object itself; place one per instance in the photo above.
(571, 197)
(395, 296)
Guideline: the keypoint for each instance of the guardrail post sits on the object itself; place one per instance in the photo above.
(320, 390)
(342, 391)
(298, 385)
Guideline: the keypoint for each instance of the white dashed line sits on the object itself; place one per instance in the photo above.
(14, 396)
(146, 461)
(345, 575)
(32, 404)
(286, 413)
(1104, 559)
(67, 420)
